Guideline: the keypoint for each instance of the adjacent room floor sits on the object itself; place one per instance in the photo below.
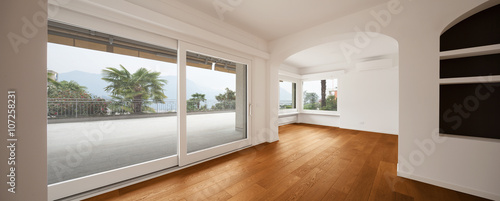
(308, 163)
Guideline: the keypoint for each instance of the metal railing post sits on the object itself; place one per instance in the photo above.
(76, 108)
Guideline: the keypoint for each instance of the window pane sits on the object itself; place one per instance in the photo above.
(287, 95)
(320, 95)
(107, 110)
(216, 101)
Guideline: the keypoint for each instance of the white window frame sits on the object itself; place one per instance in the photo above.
(182, 158)
(297, 83)
(294, 78)
(319, 76)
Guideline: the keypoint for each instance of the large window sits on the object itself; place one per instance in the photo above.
(112, 103)
(118, 109)
(287, 95)
(320, 95)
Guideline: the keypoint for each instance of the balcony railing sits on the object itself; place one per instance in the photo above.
(60, 108)
(286, 104)
(79, 108)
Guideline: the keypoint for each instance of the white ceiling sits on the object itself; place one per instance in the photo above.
(331, 54)
(320, 55)
(273, 19)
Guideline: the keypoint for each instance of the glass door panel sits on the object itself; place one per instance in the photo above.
(111, 109)
(216, 101)
(98, 120)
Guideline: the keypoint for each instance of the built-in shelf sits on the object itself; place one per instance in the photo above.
(470, 52)
(470, 80)
(469, 74)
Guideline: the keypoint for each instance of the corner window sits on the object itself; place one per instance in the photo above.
(287, 95)
(320, 95)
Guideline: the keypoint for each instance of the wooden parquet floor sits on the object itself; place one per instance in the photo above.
(308, 163)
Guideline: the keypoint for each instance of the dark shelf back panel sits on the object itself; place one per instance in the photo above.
(480, 29)
(470, 110)
(470, 66)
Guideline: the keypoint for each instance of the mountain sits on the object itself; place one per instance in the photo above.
(95, 85)
(285, 95)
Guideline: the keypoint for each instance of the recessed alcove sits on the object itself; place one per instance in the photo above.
(469, 76)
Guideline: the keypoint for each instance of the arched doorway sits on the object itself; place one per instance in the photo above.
(359, 71)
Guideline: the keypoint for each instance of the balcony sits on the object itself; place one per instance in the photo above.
(89, 137)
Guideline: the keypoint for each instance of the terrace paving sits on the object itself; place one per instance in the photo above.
(83, 148)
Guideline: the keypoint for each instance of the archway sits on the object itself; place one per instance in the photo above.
(366, 66)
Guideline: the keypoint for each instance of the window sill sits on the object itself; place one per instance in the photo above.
(284, 113)
(288, 114)
(335, 113)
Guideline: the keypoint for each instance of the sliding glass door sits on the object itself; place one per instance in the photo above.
(118, 109)
(111, 109)
(216, 105)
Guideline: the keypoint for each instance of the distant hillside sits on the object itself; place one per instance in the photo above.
(285, 95)
(95, 85)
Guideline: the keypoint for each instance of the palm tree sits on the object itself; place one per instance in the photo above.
(72, 86)
(196, 99)
(323, 93)
(51, 80)
(226, 100)
(137, 87)
(65, 89)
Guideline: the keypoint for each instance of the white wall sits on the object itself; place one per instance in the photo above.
(469, 165)
(319, 119)
(370, 100)
(24, 70)
(260, 125)
(288, 119)
(465, 164)
(273, 102)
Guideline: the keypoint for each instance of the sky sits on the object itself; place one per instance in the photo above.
(315, 86)
(63, 59)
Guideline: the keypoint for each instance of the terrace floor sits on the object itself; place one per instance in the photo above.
(83, 148)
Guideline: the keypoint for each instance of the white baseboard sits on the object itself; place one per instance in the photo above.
(371, 130)
(286, 123)
(455, 187)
